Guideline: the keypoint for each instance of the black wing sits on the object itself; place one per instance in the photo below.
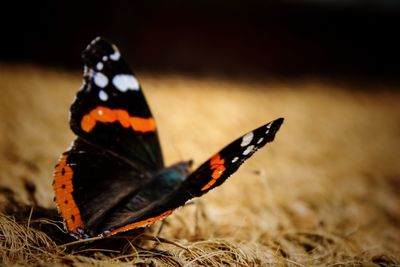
(216, 170)
(111, 112)
(209, 175)
(117, 149)
(90, 184)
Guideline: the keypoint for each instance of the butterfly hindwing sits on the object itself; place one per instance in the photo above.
(111, 112)
(90, 185)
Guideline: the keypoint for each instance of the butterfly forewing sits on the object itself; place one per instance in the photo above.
(223, 164)
(111, 112)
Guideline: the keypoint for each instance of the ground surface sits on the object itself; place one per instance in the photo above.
(325, 192)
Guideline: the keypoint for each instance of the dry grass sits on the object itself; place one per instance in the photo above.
(325, 193)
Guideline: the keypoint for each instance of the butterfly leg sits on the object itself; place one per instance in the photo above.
(161, 227)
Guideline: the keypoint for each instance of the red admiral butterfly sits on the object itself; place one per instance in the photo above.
(113, 177)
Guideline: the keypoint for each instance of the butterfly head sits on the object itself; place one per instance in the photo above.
(180, 169)
(183, 168)
(170, 178)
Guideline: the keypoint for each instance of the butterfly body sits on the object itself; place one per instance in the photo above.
(113, 177)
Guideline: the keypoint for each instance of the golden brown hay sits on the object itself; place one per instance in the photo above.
(324, 193)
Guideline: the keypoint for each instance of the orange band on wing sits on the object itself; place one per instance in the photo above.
(63, 188)
(143, 223)
(217, 165)
(107, 115)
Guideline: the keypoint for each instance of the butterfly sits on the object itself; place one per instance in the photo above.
(113, 178)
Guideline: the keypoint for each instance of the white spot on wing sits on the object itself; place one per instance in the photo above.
(124, 82)
(99, 66)
(247, 139)
(235, 159)
(116, 55)
(105, 58)
(100, 79)
(248, 150)
(268, 127)
(100, 112)
(103, 95)
(260, 140)
(71, 145)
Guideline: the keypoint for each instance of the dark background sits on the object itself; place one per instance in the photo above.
(348, 40)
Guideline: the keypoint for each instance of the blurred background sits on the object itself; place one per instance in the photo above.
(352, 40)
(213, 70)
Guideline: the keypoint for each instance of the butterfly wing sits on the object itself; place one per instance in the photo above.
(90, 184)
(112, 179)
(111, 112)
(209, 175)
(223, 164)
(117, 149)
